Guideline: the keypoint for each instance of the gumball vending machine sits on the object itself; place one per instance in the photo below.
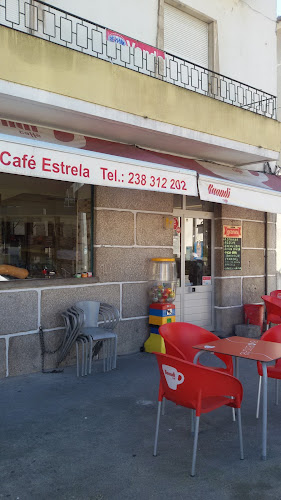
(162, 293)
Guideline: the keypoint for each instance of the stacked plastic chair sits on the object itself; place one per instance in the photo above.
(89, 325)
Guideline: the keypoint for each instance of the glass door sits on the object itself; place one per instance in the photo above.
(194, 258)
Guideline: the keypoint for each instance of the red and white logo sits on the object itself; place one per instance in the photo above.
(222, 193)
(172, 376)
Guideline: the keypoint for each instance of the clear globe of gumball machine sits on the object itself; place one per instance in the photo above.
(162, 281)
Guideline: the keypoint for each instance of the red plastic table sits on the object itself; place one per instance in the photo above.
(243, 347)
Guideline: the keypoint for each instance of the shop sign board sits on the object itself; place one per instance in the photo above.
(232, 242)
(72, 165)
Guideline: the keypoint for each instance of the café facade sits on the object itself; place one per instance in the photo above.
(114, 152)
(84, 216)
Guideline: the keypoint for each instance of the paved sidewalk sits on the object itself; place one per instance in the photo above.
(63, 438)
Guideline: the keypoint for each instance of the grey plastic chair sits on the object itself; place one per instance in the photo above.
(99, 320)
(73, 321)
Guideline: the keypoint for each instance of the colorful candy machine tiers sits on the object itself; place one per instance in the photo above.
(160, 314)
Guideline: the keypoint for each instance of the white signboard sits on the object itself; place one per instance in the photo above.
(69, 164)
(239, 195)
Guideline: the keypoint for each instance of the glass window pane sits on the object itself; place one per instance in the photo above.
(45, 226)
(197, 251)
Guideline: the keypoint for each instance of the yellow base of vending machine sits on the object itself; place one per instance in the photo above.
(155, 343)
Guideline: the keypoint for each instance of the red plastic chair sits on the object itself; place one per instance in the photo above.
(180, 337)
(276, 294)
(273, 371)
(253, 314)
(199, 388)
(273, 310)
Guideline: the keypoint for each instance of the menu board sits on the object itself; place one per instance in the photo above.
(232, 240)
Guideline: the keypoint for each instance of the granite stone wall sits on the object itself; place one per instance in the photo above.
(129, 230)
(238, 287)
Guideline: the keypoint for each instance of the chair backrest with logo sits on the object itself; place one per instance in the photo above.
(187, 384)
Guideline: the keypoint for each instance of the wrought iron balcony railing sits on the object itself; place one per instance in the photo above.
(55, 25)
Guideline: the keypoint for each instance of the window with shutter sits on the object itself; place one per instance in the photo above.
(185, 36)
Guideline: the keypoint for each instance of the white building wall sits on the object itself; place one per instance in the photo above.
(245, 30)
(135, 18)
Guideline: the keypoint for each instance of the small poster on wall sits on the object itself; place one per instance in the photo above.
(232, 242)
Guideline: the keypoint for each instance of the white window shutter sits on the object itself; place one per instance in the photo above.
(185, 36)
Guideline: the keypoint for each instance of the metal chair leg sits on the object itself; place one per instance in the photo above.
(86, 344)
(163, 406)
(195, 443)
(111, 354)
(115, 352)
(192, 422)
(240, 433)
(77, 357)
(80, 341)
(259, 398)
(103, 353)
(108, 354)
(157, 429)
(83, 359)
(90, 354)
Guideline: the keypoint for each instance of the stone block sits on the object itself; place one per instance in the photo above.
(24, 354)
(218, 261)
(272, 284)
(57, 300)
(226, 319)
(251, 331)
(133, 199)
(228, 292)
(229, 211)
(126, 264)
(114, 228)
(19, 311)
(151, 231)
(131, 335)
(218, 232)
(252, 290)
(2, 358)
(253, 234)
(271, 262)
(253, 262)
(135, 300)
(271, 236)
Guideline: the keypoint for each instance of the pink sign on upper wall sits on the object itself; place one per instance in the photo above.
(113, 36)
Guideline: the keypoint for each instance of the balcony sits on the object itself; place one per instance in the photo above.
(195, 98)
